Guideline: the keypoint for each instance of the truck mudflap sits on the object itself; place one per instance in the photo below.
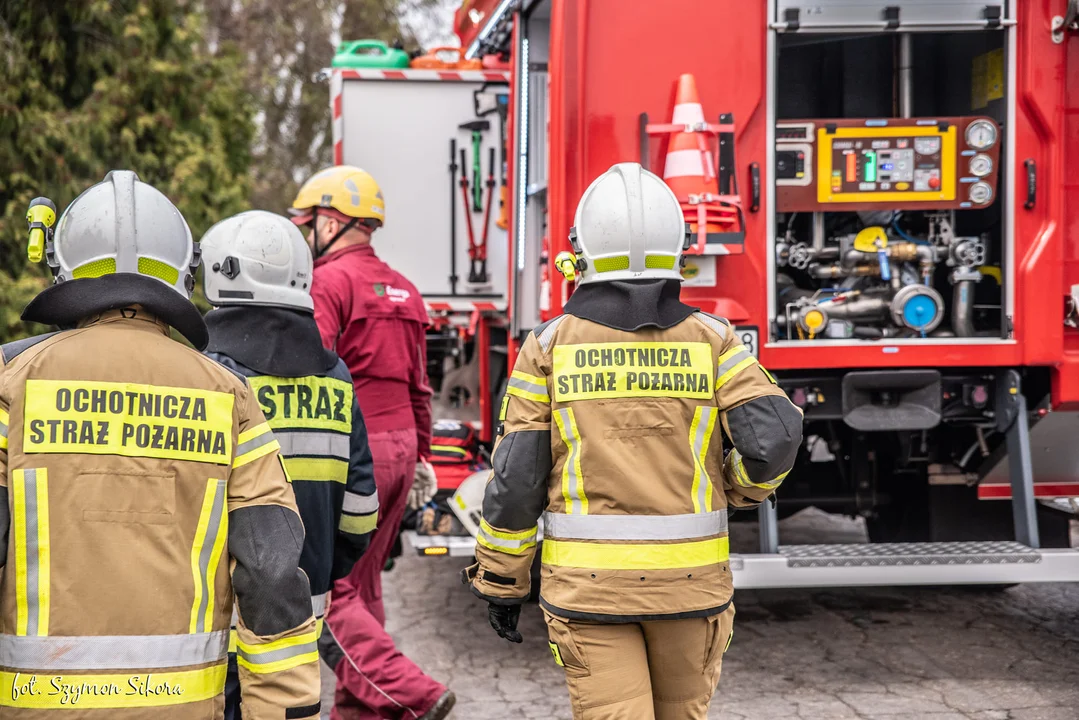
(1054, 455)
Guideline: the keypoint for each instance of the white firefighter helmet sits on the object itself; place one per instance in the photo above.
(628, 226)
(257, 258)
(467, 501)
(123, 225)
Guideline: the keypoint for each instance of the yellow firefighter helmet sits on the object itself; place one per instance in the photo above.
(350, 191)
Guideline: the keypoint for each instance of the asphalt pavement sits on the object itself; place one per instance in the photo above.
(869, 654)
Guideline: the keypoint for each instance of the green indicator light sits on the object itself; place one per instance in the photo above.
(870, 166)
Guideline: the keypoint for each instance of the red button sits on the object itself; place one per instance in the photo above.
(934, 183)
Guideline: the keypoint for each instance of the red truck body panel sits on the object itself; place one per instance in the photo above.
(608, 65)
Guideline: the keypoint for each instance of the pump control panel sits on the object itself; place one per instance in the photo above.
(911, 164)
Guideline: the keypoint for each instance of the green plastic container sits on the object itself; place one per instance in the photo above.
(369, 54)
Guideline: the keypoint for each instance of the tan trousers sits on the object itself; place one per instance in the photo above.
(660, 670)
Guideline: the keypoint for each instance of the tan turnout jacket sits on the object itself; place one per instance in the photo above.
(141, 485)
(613, 442)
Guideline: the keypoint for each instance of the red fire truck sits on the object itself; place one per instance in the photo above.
(884, 222)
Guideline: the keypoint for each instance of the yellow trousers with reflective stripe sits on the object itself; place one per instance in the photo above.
(652, 670)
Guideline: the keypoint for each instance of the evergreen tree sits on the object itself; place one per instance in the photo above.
(97, 85)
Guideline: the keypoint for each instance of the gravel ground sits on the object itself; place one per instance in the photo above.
(895, 654)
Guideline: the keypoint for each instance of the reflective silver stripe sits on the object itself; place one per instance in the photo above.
(212, 529)
(634, 527)
(574, 442)
(357, 504)
(33, 576)
(273, 656)
(700, 445)
(112, 652)
(528, 387)
(714, 325)
(319, 603)
(547, 335)
(254, 443)
(527, 542)
(3, 429)
(318, 444)
(732, 361)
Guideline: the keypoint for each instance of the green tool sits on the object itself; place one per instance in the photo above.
(476, 127)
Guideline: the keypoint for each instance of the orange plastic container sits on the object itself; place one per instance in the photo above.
(432, 60)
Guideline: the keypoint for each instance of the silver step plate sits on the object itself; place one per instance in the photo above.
(888, 554)
(854, 565)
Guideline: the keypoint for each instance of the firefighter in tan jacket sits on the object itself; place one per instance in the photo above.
(612, 435)
(142, 492)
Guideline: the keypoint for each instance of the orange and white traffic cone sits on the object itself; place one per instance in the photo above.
(689, 169)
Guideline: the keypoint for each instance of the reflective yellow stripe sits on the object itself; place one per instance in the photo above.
(771, 378)
(283, 654)
(536, 397)
(206, 553)
(572, 477)
(44, 554)
(529, 534)
(128, 419)
(604, 556)
(530, 387)
(4, 421)
(727, 370)
(281, 644)
(743, 479)
(358, 524)
(18, 523)
(255, 443)
(450, 449)
(535, 379)
(30, 531)
(317, 469)
(597, 371)
(511, 543)
(55, 691)
(278, 665)
(252, 433)
(700, 435)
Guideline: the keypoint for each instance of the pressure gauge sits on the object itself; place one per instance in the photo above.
(981, 134)
(981, 165)
(927, 145)
(980, 193)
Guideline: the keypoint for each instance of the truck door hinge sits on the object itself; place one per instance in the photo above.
(1070, 21)
(993, 16)
(791, 16)
(891, 17)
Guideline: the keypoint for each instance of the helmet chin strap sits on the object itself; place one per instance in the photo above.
(320, 251)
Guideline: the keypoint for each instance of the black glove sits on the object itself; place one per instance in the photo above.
(504, 620)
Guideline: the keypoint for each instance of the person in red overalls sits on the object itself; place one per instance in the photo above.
(375, 320)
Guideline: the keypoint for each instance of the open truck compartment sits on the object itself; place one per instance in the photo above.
(890, 207)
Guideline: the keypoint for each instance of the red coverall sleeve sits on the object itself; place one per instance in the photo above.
(420, 392)
(329, 293)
